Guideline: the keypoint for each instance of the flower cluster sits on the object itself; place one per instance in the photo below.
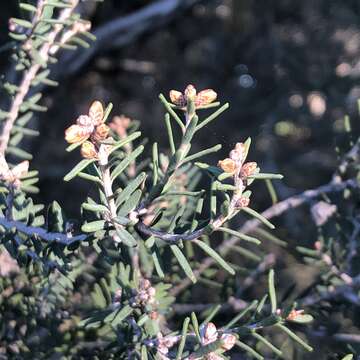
(91, 127)
(240, 170)
(203, 98)
(210, 334)
(145, 295)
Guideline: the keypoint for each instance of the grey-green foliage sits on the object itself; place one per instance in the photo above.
(103, 287)
(46, 28)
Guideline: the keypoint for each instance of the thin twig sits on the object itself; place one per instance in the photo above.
(121, 31)
(40, 232)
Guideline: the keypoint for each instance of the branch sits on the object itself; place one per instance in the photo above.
(121, 31)
(29, 76)
(274, 211)
(41, 233)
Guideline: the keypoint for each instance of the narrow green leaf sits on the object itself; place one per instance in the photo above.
(107, 112)
(19, 153)
(272, 292)
(27, 7)
(125, 162)
(93, 226)
(130, 188)
(78, 168)
(250, 350)
(348, 357)
(95, 207)
(155, 163)
(170, 133)
(89, 177)
(125, 141)
(294, 337)
(258, 216)
(240, 235)
(212, 253)
(183, 338)
(265, 176)
(195, 324)
(183, 262)
(121, 315)
(267, 343)
(126, 237)
(213, 116)
(144, 355)
(131, 203)
(202, 153)
(172, 112)
(24, 23)
(241, 315)
(157, 265)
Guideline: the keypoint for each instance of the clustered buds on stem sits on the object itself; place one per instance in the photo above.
(145, 295)
(91, 127)
(240, 170)
(203, 98)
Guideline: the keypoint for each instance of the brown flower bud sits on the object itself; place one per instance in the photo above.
(242, 202)
(177, 98)
(248, 169)
(205, 97)
(101, 132)
(76, 133)
(190, 93)
(88, 150)
(96, 112)
(227, 165)
(228, 341)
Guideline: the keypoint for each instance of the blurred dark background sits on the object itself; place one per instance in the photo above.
(290, 70)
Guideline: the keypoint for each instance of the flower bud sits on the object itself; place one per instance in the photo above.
(190, 93)
(228, 341)
(101, 132)
(76, 133)
(240, 147)
(151, 291)
(177, 98)
(88, 150)
(205, 97)
(144, 284)
(227, 165)
(248, 169)
(209, 333)
(85, 120)
(293, 314)
(242, 202)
